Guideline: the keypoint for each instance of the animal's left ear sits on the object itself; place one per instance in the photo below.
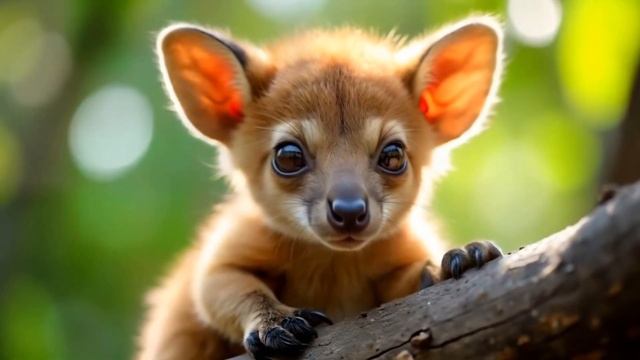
(454, 83)
(210, 78)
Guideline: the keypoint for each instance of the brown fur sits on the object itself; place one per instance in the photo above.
(268, 249)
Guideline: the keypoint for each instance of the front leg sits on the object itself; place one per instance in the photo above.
(456, 261)
(244, 309)
(406, 280)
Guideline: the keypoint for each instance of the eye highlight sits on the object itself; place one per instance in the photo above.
(288, 159)
(392, 158)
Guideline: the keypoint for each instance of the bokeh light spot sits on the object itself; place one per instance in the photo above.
(597, 54)
(47, 74)
(20, 41)
(287, 10)
(110, 131)
(535, 22)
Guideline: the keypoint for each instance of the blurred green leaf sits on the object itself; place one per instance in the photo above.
(30, 323)
(565, 155)
(597, 53)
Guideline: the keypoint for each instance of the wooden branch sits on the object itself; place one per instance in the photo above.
(573, 294)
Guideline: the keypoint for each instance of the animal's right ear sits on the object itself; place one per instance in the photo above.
(205, 76)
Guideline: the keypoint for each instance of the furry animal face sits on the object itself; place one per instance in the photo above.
(331, 131)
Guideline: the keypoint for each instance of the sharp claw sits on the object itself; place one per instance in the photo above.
(254, 345)
(456, 267)
(476, 254)
(283, 342)
(300, 328)
(313, 317)
(290, 338)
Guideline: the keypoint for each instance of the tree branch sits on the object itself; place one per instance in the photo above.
(575, 293)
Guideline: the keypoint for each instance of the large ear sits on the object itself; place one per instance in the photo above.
(457, 77)
(204, 74)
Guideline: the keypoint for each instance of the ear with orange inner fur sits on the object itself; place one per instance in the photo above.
(456, 80)
(204, 76)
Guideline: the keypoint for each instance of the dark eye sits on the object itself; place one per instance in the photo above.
(288, 159)
(392, 159)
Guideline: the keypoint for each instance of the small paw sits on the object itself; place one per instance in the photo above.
(284, 335)
(456, 261)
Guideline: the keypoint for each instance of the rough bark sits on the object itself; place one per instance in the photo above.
(574, 294)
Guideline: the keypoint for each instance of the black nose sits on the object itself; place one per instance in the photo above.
(348, 214)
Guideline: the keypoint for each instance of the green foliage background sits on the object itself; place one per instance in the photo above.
(77, 254)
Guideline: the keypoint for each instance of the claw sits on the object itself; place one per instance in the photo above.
(456, 267)
(457, 261)
(300, 328)
(282, 341)
(476, 254)
(253, 344)
(289, 338)
(313, 317)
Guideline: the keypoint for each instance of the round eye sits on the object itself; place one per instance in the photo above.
(392, 159)
(288, 159)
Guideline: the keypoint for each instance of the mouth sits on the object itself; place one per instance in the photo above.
(347, 243)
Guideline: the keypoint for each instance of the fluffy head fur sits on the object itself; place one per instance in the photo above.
(341, 95)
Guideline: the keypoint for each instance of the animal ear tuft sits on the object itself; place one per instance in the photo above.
(204, 75)
(456, 79)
